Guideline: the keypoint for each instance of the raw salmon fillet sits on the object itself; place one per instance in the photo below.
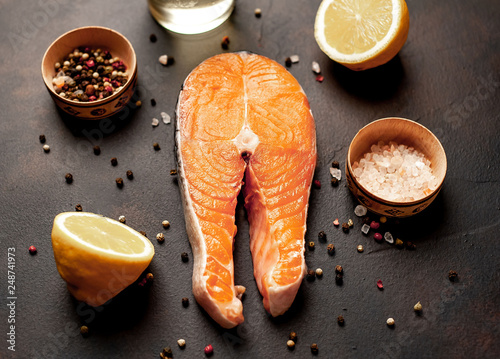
(243, 117)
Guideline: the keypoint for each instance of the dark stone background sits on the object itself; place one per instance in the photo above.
(446, 77)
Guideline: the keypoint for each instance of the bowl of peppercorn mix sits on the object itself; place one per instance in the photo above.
(90, 72)
(395, 167)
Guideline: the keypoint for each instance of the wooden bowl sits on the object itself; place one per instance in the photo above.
(401, 131)
(96, 37)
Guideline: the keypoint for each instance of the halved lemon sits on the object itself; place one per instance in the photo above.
(98, 257)
(361, 34)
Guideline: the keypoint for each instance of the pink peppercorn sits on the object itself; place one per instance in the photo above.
(90, 63)
(92, 98)
(209, 350)
(380, 285)
(317, 184)
(374, 225)
(319, 78)
(32, 249)
(109, 89)
(377, 236)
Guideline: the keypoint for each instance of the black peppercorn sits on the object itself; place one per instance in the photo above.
(173, 172)
(152, 38)
(411, 245)
(143, 233)
(335, 164)
(114, 161)
(311, 275)
(452, 275)
(156, 146)
(130, 174)
(334, 182)
(119, 182)
(345, 227)
(185, 302)
(331, 249)
(288, 62)
(340, 320)
(69, 178)
(41, 138)
(225, 42)
(184, 257)
(97, 150)
(339, 278)
(78, 208)
(167, 352)
(293, 336)
(322, 236)
(153, 102)
(339, 269)
(314, 348)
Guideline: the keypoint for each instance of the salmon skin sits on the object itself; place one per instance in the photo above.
(243, 117)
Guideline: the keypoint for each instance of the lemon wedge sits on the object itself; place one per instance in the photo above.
(361, 34)
(98, 257)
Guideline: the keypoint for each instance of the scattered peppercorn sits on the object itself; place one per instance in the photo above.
(317, 184)
(417, 307)
(374, 225)
(293, 336)
(288, 62)
(452, 275)
(156, 146)
(390, 322)
(185, 302)
(310, 245)
(335, 164)
(153, 102)
(119, 182)
(383, 219)
(173, 172)
(209, 350)
(360, 248)
(152, 38)
(84, 331)
(380, 285)
(184, 257)
(32, 250)
(138, 103)
(97, 150)
(314, 348)
(322, 236)
(331, 249)
(167, 352)
(225, 42)
(114, 161)
(130, 174)
(69, 178)
(78, 208)
(149, 277)
(181, 343)
(165, 224)
(334, 181)
(399, 243)
(350, 223)
(258, 12)
(311, 275)
(41, 138)
(122, 219)
(345, 227)
(339, 269)
(160, 237)
(319, 272)
(378, 237)
(340, 320)
(339, 278)
(46, 148)
(290, 344)
(336, 222)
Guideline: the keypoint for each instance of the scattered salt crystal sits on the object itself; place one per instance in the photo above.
(163, 60)
(165, 117)
(155, 122)
(365, 228)
(335, 172)
(388, 237)
(360, 210)
(315, 67)
(294, 59)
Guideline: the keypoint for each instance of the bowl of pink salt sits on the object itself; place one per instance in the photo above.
(395, 167)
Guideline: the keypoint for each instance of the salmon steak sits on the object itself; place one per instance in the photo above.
(244, 122)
